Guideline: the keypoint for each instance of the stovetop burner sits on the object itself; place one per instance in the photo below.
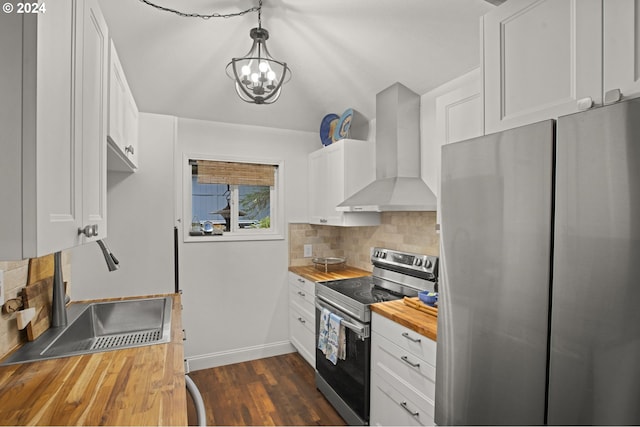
(395, 275)
(362, 289)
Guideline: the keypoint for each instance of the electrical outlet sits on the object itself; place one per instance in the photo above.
(1, 288)
(308, 251)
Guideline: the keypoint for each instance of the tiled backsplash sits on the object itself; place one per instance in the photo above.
(15, 278)
(406, 231)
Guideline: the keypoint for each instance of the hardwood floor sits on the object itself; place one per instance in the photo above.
(277, 390)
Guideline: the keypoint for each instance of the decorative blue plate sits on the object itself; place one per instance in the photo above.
(342, 129)
(327, 127)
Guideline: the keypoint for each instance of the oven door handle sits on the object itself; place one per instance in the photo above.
(332, 305)
(359, 328)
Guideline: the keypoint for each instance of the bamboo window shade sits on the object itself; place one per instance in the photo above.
(234, 173)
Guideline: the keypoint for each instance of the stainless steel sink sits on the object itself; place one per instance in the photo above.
(103, 326)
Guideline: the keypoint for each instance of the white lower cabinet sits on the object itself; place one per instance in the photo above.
(302, 316)
(403, 375)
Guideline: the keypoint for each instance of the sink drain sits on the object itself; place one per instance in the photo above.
(123, 340)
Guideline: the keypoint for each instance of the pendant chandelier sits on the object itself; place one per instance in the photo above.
(258, 76)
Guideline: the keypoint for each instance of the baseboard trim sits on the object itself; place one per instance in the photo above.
(212, 360)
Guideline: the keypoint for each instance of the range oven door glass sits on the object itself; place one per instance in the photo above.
(349, 378)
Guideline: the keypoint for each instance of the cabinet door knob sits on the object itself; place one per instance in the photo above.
(89, 230)
(128, 149)
(612, 96)
(585, 103)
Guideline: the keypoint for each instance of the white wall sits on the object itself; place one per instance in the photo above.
(140, 217)
(235, 293)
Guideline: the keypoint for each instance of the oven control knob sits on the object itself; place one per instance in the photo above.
(383, 254)
(427, 263)
(418, 262)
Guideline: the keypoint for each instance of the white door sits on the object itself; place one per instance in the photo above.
(540, 58)
(52, 209)
(93, 74)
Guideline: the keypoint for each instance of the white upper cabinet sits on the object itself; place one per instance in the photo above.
(92, 72)
(459, 115)
(622, 47)
(547, 58)
(53, 163)
(540, 58)
(336, 172)
(122, 132)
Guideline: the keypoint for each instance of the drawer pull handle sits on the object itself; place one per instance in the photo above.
(406, 335)
(302, 294)
(406, 360)
(404, 406)
(301, 320)
(301, 280)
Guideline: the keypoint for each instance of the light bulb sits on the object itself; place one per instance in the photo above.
(246, 70)
(264, 67)
(271, 75)
(255, 77)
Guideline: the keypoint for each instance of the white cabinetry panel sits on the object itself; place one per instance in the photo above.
(540, 58)
(93, 68)
(55, 181)
(622, 46)
(402, 375)
(122, 131)
(302, 315)
(336, 172)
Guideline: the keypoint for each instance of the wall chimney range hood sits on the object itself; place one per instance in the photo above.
(398, 185)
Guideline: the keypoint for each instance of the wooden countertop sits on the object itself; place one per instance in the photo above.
(416, 320)
(136, 386)
(309, 272)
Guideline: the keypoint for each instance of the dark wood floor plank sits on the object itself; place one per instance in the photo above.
(277, 390)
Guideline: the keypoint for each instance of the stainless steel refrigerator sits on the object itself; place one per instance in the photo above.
(539, 313)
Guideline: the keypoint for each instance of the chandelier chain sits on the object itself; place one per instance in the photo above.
(206, 16)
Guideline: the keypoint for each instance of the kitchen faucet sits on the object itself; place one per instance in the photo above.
(58, 304)
(109, 257)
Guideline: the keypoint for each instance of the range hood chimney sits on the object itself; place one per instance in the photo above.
(398, 185)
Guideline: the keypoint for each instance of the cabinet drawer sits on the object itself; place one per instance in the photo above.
(418, 345)
(301, 334)
(304, 315)
(391, 407)
(394, 363)
(302, 287)
(301, 297)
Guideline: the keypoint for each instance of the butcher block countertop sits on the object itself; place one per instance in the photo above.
(136, 386)
(423, 323)
(309, 272)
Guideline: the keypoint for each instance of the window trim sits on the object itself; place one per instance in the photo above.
(276, 232)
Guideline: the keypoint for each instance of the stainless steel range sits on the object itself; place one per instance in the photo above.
(395, 275)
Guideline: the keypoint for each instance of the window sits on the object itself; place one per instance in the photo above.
(231, 200)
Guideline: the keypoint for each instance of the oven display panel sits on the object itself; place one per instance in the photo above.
(403, 258)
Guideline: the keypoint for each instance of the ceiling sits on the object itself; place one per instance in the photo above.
(341, 52)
